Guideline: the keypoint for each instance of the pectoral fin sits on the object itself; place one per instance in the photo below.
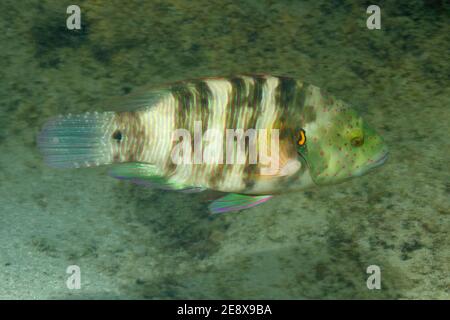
(236, 202)
(144, 174)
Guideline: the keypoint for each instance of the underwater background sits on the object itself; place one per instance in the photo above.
(135, 242)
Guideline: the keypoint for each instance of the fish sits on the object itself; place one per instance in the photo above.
(249, 136)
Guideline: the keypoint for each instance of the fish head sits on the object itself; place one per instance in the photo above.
(338, 144)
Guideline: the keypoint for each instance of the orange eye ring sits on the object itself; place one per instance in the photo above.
(302, 140)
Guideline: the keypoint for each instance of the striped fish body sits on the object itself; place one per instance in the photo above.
(144, 133)
(241, 102)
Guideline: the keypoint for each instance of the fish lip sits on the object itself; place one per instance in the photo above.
(381, 160)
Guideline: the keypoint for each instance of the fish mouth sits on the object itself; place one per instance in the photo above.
(372, 164)
(381, 160)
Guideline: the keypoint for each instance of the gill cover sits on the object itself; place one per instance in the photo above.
(339, 145)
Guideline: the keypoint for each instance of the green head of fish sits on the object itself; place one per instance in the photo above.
(339, 144)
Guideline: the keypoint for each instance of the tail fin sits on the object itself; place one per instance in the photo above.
(74, 141)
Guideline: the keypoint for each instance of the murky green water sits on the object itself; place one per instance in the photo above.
(135, 242)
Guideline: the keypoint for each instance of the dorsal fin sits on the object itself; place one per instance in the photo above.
(141, 98)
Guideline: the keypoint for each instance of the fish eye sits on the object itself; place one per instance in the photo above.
(357, 141)
(117, 135)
